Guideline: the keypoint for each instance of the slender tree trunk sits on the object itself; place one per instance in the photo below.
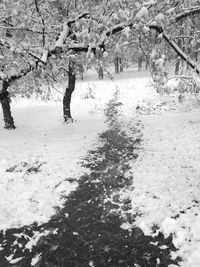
(197, 52)
(68, 93)
(146, 63)
(100, 72)
(5, 103)
(121, 66)
(117, 65)
(139, 62)
(178, 61)
(177, 67)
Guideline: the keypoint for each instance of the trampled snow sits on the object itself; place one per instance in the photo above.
(39, 160)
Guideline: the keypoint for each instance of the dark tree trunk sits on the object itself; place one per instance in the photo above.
(197, 52)
(178, 61)
(68, 93)
(117, 65)
(147, 63)
(177, 67)
(100, 72)
(121, 66)
(5, 103)
(139, 62)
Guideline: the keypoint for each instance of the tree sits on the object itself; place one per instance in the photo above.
(34, 31)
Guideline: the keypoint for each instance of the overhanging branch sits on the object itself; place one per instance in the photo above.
(176, 48)
(187, 13)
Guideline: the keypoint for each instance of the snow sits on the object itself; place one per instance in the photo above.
(39, 160)
(165, 189)
(142, 13)
(36, 259)
(34, 240)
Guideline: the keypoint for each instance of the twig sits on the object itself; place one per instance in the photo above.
(43, 23)
(62, 68)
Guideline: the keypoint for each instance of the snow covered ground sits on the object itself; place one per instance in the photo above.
(38, 161)
(166, 185)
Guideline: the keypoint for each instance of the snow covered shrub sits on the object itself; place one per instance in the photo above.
(182, 85)
(112, 110)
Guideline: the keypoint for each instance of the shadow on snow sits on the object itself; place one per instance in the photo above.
(87, 231)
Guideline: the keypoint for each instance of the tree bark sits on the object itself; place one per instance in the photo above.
(100, 72)
(177, 49)
(178, 60)
(117, 65)
(5, 103)
(146, 63)
(68, 93)
(121, 66)
(139, 62)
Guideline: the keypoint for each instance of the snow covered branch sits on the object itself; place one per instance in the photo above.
(14, 28)
(63, 35)
(188, 12)
(65, 32)
(118, 28)
(59, 44)
(176, 48)
(12, 77)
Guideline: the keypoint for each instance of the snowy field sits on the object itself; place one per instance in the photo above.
(38, 161)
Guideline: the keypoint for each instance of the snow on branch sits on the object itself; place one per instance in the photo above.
(63, 35)
(22, 72)
(83, 15)
(15, 76)
(20, 52)
(176, 48)
(65, 32)
(59, 44)
(187, 12)
(14, 28)
(2, 76)
(45, 55)
(117, 28)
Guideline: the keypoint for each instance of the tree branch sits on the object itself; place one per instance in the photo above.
(42, 19)
(176, 48)
(188, 12)
(13, 28)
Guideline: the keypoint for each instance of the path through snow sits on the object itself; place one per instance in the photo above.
(38, 159)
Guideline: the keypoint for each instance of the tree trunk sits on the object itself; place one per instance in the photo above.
(5, 103)
(177, 67)
(100, 72)
(139, 62)
(197, 52)
(178, 60)
(117, 65)
(146, 63)
(68, 93)
(121, 66)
